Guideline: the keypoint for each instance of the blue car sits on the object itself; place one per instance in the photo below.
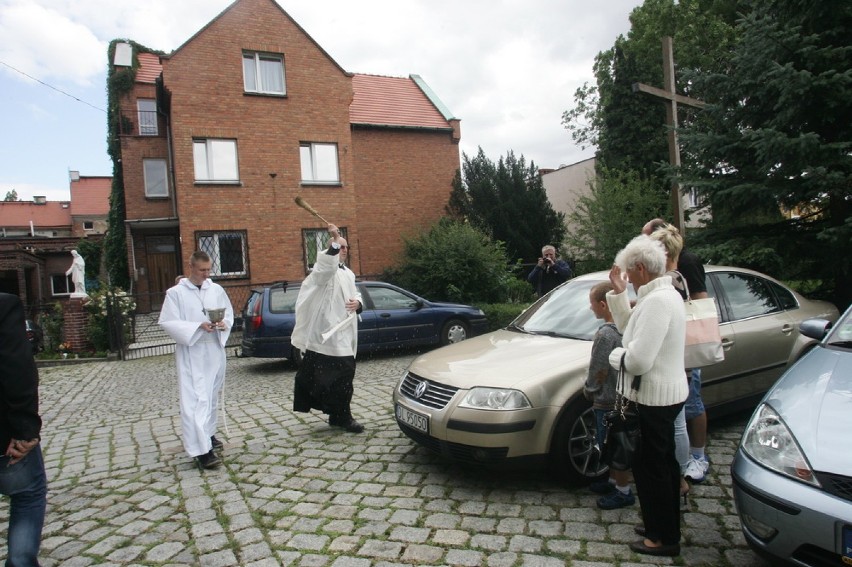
(792, 473)
(392, 318)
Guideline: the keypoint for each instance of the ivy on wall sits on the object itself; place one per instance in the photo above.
(120, 82)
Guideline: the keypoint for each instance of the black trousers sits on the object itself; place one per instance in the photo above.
(324, 383)
(657, 474)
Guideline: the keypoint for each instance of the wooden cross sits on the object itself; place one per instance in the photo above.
(671, 98)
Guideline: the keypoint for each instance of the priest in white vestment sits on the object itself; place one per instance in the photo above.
(326, 332)
(200, 355)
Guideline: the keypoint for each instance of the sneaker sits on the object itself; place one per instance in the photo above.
(696, 469)
(217, 445)
(616, 499)
(208, 460)
(602, 487)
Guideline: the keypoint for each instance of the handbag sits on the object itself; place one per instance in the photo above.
(622, 439)
(703, 340)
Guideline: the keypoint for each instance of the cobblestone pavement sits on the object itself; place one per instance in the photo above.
(293, 491)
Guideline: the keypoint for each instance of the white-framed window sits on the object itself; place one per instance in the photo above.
(319, 163)
(315, 240)
(156, 178)
(227, 252)
(60, 284)
(264, 73)
(215, 160)
(147, 110)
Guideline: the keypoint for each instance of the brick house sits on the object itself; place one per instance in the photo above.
(36, 239)
(219, 137)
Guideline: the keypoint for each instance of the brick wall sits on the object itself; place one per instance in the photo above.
(404, 179)
(205, 78)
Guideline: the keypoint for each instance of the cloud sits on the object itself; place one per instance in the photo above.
(46, 44)
(506, 68)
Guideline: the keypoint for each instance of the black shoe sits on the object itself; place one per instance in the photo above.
(217, 445)
(208, 460)
(670, 550)
(346, 422)
(352, 426)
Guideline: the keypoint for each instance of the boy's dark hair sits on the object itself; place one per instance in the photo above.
(599, 291)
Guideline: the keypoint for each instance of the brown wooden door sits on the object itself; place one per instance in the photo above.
(161, 276)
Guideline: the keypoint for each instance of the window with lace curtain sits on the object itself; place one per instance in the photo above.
(263, 73)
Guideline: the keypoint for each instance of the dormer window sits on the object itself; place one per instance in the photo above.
(263, 73)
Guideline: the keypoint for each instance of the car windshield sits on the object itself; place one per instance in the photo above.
(841, 333)
(564, 312)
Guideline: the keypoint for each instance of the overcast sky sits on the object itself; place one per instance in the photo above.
(506, 68)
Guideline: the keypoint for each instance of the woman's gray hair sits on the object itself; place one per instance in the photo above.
(643, 250)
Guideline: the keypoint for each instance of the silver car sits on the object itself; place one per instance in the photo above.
(792, 473)
(513, 397)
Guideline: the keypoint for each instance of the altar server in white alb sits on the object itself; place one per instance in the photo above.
(200, 355)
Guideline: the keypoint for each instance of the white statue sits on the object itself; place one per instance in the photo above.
(77, 271)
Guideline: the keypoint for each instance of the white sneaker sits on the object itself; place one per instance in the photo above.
(696, 469)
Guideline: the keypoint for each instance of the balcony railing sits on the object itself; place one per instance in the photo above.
(140, 123)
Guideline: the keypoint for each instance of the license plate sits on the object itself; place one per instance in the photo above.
(847, 545)
(416, 420)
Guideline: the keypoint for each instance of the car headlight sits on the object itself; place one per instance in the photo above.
(768, 441)
(495, 399)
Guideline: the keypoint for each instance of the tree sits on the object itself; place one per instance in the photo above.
(628, 128)
(11, 196)
(508, 202)
(455, 261)
(778, 136)
(604, 221)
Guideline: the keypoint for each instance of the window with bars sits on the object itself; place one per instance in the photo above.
(147, 109)
(316, 240)
(227, 251)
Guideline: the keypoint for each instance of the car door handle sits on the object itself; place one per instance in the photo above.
(727, 343)
(385, 315)
(787, 329)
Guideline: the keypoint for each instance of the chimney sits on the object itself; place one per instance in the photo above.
(39, 199)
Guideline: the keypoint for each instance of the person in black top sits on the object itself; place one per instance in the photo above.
(692, 269)
(22, 476)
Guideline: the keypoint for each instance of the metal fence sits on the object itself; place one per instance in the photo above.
(138, 335)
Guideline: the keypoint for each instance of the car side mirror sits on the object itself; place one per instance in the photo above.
(418, 305)
(815, 328)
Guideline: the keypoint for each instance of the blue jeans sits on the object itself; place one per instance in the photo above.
(694, 404)
(25, 483)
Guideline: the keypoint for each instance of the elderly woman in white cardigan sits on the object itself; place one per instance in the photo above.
(654, 335)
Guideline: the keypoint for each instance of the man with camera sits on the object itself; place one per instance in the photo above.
(548, 272)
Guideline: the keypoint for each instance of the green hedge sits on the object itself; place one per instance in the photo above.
(501, 314)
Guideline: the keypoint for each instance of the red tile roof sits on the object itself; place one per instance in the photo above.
(20, 213)
(393, 101)
(149, 68)
(90, 196)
